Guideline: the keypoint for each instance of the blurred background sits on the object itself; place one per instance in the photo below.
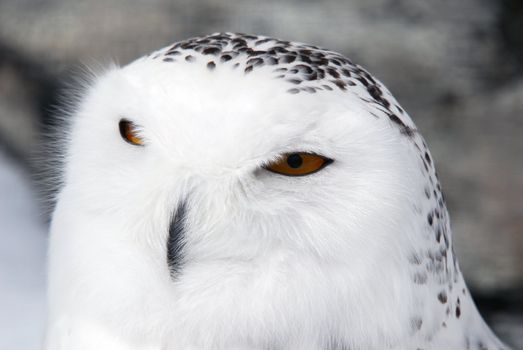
(455, 66)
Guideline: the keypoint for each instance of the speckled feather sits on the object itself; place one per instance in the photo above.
(305, 68)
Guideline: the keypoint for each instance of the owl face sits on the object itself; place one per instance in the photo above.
(149, 138)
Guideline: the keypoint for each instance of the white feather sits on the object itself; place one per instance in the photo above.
(314, 262)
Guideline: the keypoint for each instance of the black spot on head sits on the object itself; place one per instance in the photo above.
(339, 83)
(310, 77)
(303, 68)
(407, 131)
(404, 129)
(336, 62)
(425, 165)
(427, 158)
(309, 89)
(305, 59)
(239, 40)
(305, 52)
(458, 311)
(438, 234)
(211, 65)
(281, 49)
(363, 81)
(189, 58)
(225, 58)
(396, 120)
(294, 81)
(255, 52)
(446, 239)
(255, 62)
(369, 77)
(375, 92)
(322, 62)
(187, 45)
(288, 59)
(271, 60)
(333, 72)
(442, 297)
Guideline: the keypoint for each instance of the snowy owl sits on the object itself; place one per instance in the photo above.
(235, 191)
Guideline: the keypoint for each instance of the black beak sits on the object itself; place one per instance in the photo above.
(175, 241)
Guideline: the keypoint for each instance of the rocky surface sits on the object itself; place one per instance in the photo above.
(456, 66)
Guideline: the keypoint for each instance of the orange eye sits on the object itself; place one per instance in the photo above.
(299, 164)
(129, 133)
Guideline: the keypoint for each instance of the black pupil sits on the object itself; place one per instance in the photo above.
(294, 160)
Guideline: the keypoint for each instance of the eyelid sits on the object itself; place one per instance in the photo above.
(128, 131)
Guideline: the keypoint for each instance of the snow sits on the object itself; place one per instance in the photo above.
(23, 241)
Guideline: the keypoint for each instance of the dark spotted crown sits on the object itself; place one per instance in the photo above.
(306, 68)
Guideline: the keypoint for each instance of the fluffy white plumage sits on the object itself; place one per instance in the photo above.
(355, 256)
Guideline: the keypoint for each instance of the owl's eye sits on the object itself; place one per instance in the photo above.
(298, 164)
(128, 131)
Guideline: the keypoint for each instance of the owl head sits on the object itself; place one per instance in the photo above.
(239, 189)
